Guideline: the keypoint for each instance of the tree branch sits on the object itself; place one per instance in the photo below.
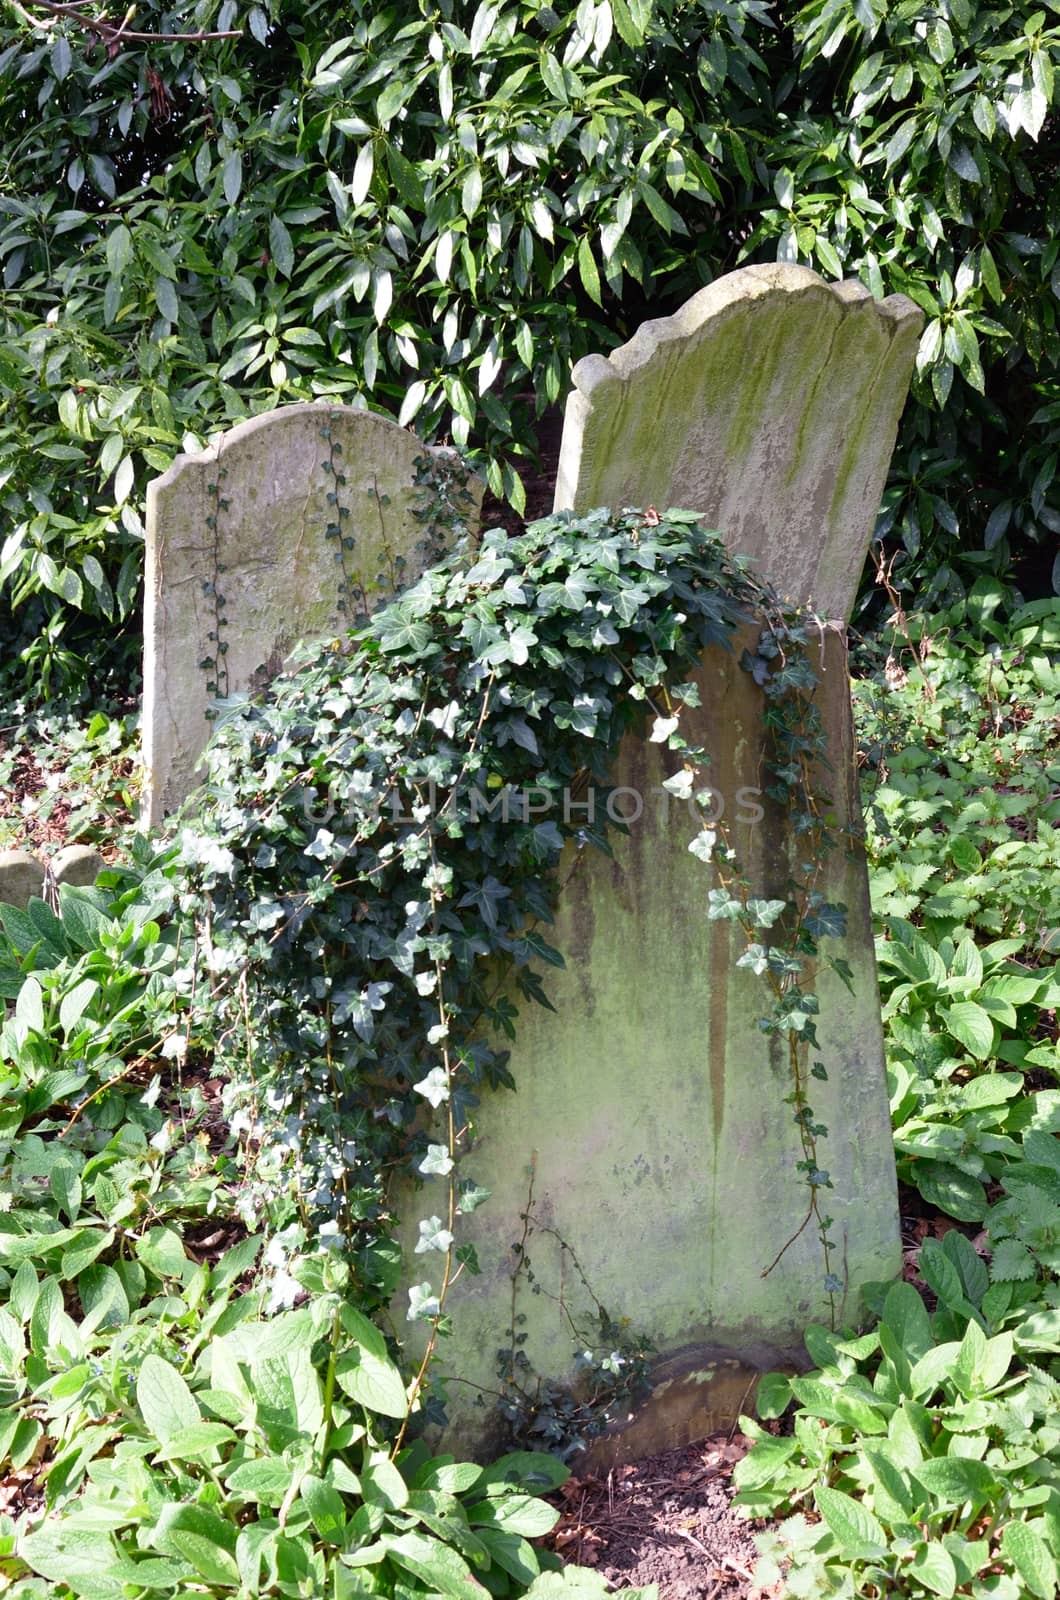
(110, 33)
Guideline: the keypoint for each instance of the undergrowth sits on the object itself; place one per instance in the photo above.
(923, 1456)
(219, 1060)
(194, 1401)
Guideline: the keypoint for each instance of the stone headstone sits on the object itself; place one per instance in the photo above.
(649, 1135)
(648, 1132)
(77, 864)
(21, 878)
(289, 528)
(769, 403)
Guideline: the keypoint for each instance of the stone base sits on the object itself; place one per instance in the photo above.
(695, 1393)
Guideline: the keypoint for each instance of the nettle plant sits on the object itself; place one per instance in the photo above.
(374, 879)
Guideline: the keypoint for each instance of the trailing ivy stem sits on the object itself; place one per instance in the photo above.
(451, 1148)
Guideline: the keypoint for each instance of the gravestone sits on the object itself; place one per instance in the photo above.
(289, 528)
(21, 878)
(648, 1138)
(769, 403)
(24, 878)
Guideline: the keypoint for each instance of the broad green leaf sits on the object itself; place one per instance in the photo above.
(64, 1181)
(66, 1554)
(1025, 1547)
(166, 1403)
(200, 1537)
(437, 1565)
(956, 1479)
(363, 168)
(29, 1007)
(516, 1513)
(857, 1532)
(905, 1314)
(74, 1003)
(587, 271)
(281, 247)
(325, 1507)
(383, 1485)
(932, 1565)
(971, 1026)
(773, 1396)
(762, 1462)
(162, 1252)
(232, 176)
(373, 1382)
(192, 1443)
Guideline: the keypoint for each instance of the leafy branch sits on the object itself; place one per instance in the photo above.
(113, 34)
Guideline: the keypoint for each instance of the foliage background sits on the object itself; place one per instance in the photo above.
(437, 209)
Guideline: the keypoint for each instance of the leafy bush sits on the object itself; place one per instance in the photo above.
(929, 1445)
(178, 1428)
(68, 766)
(960, 733)
(960, 727)
(438, 213)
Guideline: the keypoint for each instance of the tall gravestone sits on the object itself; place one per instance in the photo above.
(285, 531)
(770, 404)
(648, 1136)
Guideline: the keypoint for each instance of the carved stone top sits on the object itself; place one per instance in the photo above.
(289, 528)
(768, 403)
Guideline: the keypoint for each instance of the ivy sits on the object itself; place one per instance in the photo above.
(375, 856)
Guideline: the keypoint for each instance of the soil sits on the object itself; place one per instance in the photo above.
(668, 1520)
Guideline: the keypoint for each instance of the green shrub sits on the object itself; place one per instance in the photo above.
(185, 1426)
(438, 212)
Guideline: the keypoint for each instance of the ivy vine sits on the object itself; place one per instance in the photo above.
(373, 886)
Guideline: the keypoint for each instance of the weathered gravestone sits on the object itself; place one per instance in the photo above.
(769, 403)
(285, 531)
(24, 878)
(649, 1120)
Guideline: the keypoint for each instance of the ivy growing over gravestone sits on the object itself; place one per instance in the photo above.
(373, 875)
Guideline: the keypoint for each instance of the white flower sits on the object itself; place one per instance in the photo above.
(439, 1032)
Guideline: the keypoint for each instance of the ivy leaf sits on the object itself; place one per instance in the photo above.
(423, 1303)
(487, 897)
(434, 1235)
(472, 1195)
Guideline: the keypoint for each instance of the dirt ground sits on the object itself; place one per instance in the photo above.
(667, 1520)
